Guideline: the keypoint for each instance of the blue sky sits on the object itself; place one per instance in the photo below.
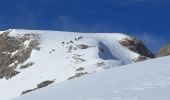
(149, 20)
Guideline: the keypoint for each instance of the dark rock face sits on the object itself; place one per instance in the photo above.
(40, 85)
(77, 75)
(83, 46)
(27, 91)
(44, 83)
(140, 58)
(165, 51)
(7, 72)
(13, 52)
(27, 65)
(137, 46)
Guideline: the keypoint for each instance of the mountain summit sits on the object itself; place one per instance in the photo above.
(32, 59)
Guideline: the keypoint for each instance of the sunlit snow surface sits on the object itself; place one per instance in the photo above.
(59, 65)
(148, 80)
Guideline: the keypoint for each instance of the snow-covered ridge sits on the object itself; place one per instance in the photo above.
(63, 56)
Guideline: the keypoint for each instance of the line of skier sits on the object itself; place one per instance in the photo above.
(76, 39)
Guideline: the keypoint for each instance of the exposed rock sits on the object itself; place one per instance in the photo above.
(83, 46)
(27, 65)
(77, 75)
(13, 49)
(44, 84)
(80, 69)
(79, 59)
(165, 51)
(8, 44)
(40, 85)
(22, 55)
(75, 47)
(5, 59)
(137, 46)
(7, 72)
(141, 58)
(27, 91)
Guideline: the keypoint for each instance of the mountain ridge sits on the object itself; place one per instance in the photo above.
(41, 57)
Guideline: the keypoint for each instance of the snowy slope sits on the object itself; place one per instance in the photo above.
(148, 80)
(54, 60)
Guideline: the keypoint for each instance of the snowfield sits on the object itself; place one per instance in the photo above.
(65, 56)
(148, 80)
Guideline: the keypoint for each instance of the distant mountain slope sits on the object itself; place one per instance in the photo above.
(148, 80)
(32, 59)
(164, 51)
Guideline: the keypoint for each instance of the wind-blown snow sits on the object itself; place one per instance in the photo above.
(148, 80)
(53, 61)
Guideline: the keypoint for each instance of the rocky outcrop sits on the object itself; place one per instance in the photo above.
(83, 46)
(40, 85)
(77, 75)
(140, 58)
(27, 65)
(15, 50)
(137, 46)
(165, 51)
(7, 72)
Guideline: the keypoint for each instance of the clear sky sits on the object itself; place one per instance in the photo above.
(148, 20)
